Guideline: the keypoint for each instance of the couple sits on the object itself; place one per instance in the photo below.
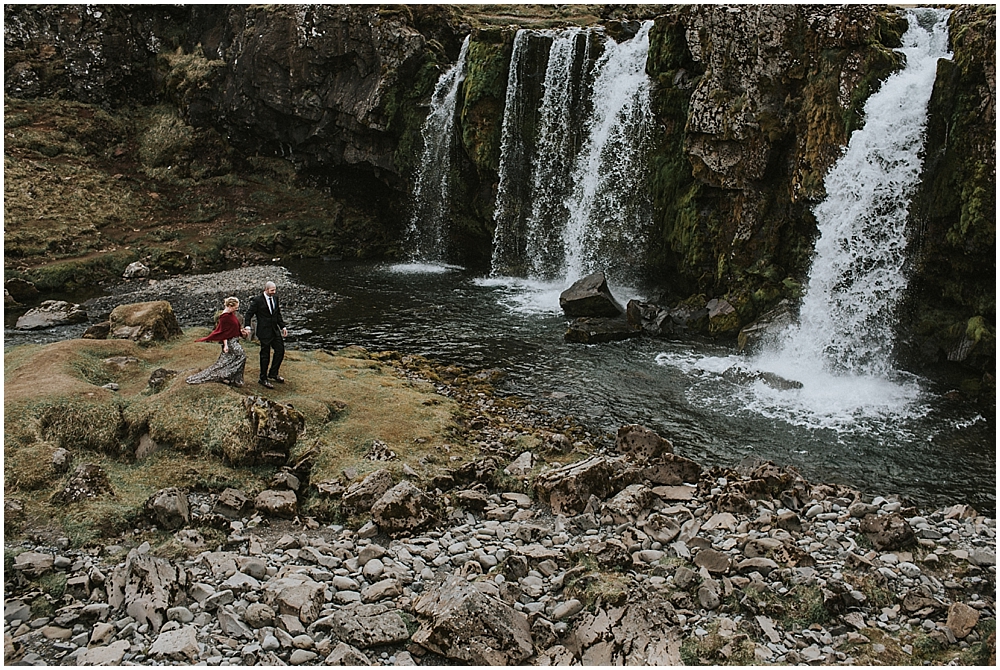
(270, 331)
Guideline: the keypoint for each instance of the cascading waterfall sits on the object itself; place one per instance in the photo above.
(609, 210)
(841, 349)
(427, 233)
(588, 208)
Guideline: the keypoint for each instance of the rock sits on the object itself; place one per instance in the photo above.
(721, 520)
(962, 619)
(651, 319)
(982, 557)
(568, 488)
(766, 328)
(362, 495)
(270, 432)
(159, 378)
(463, 624)
(345, 654)
(259, 615)
(660, 528)
(144, 322)
(97, 331)
(762, 565)
(61, 459)
(629, 503)
(50, 314)
(471, 500)
(365, 626)
(708, 596)
(180, 615)
(404, 507)
(34, 563)
(147, 586)
(232, 504)
(9, 303)
(387, 588)
(590, 296)
(174, 262)
(567, 609)
(135, 270)
(170, 508)
(282, 504)
(180, 644)
(740, 375)
(87, 481)
(301, 657)
(712, 560)
(296, 594)
(789, 521)
(671, 470)
(231, 625)
(285, 480)
(21, 290)
(888, 532)
(109, 655)
(521, 466)
(641, 444)
(596, 330)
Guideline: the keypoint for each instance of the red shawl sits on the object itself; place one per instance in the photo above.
(227, 328)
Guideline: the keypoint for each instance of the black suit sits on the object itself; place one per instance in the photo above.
(269, 326)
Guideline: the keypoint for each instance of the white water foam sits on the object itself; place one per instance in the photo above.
(424, 268)
(841, 351)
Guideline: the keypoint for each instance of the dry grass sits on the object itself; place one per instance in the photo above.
(53, 399)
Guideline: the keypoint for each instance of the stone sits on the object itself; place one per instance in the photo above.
(146, 586)
(567, 489)
(170, 508)
(281, 504)
(87, 481)
(712, 560)
(34, 563)
(685, 577)
(21, 290)
(259, 615)
(160, 378)
(521, 466)
(567, 609)
(296, 594)
(97, 331)
(232, 504)
(660, 528)
(596, 329)
(590, 297)
(363, 495)
(760, 564)
(285, 480)
(982, 557)
(232, 625)
(345, 654)
(136, 270)
(365, 626)
(720, 521)
(671, 470)
(403, 508)
(102, 633)
(180, 644)
(301, 657)
(766, 327)
(61, 459)
(789, 521)
(888, 532)
(113, 654)
(641, 443)
(761, 546)
(269, 433)
(50, 314)
(463, 624)
(387, 588)
(475, 501)
(629, 503)
(962, 619)
(180, 615)
(144, 322)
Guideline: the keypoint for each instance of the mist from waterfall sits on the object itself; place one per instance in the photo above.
(575, 200)
(427, 235)
(842, 348)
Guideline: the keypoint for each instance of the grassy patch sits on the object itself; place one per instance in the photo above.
(716, 649)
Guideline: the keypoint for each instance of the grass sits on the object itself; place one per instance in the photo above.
(53, 399)
(716, 649)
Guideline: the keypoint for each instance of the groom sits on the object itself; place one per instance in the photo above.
(270, 331)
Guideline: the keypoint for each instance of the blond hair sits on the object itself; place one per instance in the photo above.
(231, 301)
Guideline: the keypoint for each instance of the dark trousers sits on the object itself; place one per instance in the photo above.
(268, 367)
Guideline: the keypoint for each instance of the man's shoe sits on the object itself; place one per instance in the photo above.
(279, 379)
(266, 384)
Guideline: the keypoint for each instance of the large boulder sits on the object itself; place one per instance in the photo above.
(590, 296)
(283, 504)
(51, 313)
(404, 507)
(463, 624)
(269, 433)
(146, 586)
(144, 322)
(568, 488)
(767, 328)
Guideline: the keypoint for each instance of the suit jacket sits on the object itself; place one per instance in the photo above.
(268, 325)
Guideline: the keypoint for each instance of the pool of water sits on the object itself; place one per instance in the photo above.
(932, 450)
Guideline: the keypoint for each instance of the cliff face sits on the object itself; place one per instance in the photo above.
(754, 104)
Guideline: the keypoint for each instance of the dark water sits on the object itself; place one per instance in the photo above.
(943, 453)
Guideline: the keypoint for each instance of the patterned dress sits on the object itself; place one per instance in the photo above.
(228, 369)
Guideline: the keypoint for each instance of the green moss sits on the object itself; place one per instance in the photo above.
(483, 95)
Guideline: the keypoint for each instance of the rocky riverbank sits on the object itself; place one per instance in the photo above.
(522, 540)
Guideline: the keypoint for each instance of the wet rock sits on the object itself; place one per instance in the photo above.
(362, 495)
(180, 644)
(888, 532)
(135, 270)
(766, 327)
(962, 619)
(463, 624)
(87, 481)
(404, 507)
(595, 330)
(170, 508)
(590, 297)
(282, 504)
(270, 432)
(50, 314)
(144, 322)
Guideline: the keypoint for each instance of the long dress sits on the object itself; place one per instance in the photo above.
(228, 369)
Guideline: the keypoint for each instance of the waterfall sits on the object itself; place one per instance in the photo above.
(609, 210)
(572, 197)
(858, 276)
(427, 235)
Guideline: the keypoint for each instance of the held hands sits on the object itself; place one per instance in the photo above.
(284, 332)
